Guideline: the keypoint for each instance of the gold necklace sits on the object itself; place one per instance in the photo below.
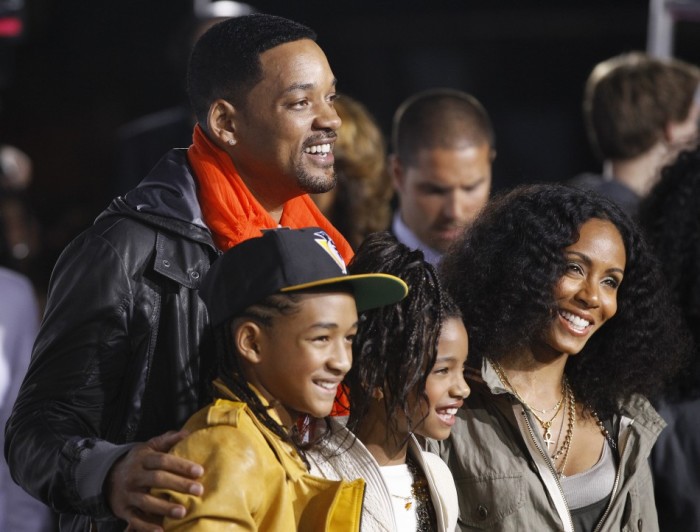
(408, 501)
(545, 423)
(566, 444)
(605, 432)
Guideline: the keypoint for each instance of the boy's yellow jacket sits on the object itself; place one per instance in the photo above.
(255, 481)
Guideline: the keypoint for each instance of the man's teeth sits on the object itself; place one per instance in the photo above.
(322, 149)
(577, 322)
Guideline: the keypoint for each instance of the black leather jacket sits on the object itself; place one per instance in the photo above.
(122, 354)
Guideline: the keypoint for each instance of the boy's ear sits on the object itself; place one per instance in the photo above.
(246, 337)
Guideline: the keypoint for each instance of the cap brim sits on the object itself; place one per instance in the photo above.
(371, 290)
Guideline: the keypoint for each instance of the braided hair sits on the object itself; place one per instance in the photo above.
(396, 346)
(230, 370)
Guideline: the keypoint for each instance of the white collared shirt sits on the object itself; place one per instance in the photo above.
(408, 238)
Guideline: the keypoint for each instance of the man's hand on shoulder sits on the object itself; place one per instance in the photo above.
(148, 465)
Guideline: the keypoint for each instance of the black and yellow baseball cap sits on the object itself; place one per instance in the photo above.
(288, 260)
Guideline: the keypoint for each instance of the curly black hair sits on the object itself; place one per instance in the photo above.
(503, 272)
(396, 346)
(670, 216)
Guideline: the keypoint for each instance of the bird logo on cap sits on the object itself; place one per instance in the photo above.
(326, 242)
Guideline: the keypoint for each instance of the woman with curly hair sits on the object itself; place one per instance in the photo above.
(406, 378)
(569, 325)
(669, 214)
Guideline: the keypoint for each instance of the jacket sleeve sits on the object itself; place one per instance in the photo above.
(244, 487)
(70, 398)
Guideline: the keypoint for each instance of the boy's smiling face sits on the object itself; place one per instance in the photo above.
(302, 357)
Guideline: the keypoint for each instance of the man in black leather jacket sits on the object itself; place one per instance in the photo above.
(122, 356)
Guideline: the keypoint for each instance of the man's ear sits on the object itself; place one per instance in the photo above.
(246, 337)
(221, 123)
(396, 170)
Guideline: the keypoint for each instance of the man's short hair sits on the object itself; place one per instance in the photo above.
(629, 100)
(439, 118)
(225, 61)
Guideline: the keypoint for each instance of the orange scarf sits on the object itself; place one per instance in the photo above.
(233, 214)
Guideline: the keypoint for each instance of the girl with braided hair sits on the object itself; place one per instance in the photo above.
(406, 380)
(284, 312)
(571, 329)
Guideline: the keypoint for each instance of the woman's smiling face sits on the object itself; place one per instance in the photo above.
(586, 295)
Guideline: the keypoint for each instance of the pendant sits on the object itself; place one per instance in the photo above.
(548, 438)
(408, 505)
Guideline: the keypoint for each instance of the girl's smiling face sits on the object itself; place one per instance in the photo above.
(446, 388)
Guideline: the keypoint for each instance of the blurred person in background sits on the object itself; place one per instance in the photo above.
(19, 322)
(639, 111)
(21, 229)
(443, 149)
(670, 215)
(360, 203)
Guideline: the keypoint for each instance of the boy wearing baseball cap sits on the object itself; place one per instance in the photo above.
(284, 311)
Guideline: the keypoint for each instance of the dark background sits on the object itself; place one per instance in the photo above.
(83, 69)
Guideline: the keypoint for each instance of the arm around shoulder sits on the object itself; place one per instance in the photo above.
(243, 486)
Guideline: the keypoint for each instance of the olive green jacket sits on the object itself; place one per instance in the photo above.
(505, 483)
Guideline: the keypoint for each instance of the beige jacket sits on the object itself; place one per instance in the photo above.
(343, 456)
(505, 484)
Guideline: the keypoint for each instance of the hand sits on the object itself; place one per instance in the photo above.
(146, 466)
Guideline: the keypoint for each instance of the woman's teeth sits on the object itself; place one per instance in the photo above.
(577, 322)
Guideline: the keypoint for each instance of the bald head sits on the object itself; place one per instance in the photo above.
(439, 118)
